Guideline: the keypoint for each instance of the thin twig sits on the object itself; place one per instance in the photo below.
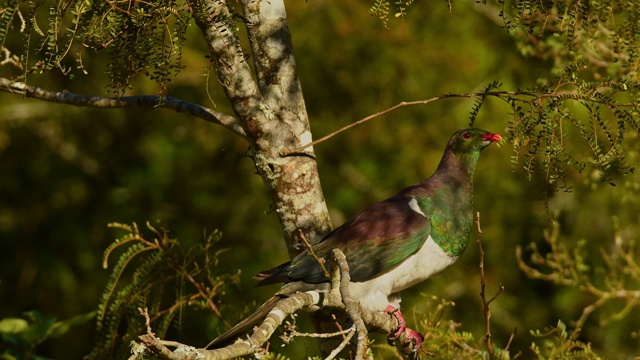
(147, 321)
(485, 303)
(342, 345)
(153, 343)
(498, 94)
(321, 335)
(10, 58)
(205, 296)
(506, 348)
(320, 261)
(333, 316)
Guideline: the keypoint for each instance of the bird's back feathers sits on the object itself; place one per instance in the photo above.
(377, 238)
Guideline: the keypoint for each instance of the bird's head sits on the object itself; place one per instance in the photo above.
(471, 140)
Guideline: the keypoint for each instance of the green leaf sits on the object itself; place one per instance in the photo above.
(62, 327)
(7, 356)
(13, 326)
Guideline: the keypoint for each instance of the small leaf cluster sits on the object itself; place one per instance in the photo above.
(443, 337)
(557, 344)
(572, 111)
(590, 118)
(479, 101)
(159, 275)
(569, 264)
(603, 34)
(140, 37)
(383, 9)
(21, 336)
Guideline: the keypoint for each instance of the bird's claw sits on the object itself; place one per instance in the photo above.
(414, 337)
(402, 324)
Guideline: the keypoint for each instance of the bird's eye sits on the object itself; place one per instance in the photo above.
(466, 135)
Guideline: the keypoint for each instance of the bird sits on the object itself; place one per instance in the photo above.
(391, 245)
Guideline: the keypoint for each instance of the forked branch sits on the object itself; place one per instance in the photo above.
(486, 311)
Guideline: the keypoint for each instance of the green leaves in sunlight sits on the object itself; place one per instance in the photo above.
(610, 282)
(157, 273)
(152, 32)
(604, 36)
(573, 124)
(555, 343)
(20, 336)
(383, 8)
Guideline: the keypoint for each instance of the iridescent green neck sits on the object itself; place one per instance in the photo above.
(452, 218)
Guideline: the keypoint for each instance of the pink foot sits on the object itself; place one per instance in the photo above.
(415, 337)
(402, 325)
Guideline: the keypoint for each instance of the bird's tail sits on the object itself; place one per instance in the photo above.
(245, 325)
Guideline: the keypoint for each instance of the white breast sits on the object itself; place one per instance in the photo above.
(379, 292)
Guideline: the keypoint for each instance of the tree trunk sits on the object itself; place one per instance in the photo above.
(273, 115)
(271, 111)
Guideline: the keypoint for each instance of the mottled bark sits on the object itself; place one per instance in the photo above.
(297, 183)
(271, 111)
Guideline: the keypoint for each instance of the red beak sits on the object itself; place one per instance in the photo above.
(492, 137)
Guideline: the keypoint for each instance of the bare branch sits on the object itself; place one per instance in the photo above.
(142, 101)
(285, 307)
(485, 303)
(499, 94)
(295, 333)
(351, 305)
(342, 345)
(274, 319)
(156, 345)
(565, 264)
(10, 58)
(506, 348)
(147, 321)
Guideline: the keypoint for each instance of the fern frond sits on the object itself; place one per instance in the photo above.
(191, 273)
(6, 18)
(134, 235)
(125, 259)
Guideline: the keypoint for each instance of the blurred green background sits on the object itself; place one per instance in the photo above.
(66, 172)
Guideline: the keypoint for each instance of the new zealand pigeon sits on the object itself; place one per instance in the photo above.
(394, 244)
